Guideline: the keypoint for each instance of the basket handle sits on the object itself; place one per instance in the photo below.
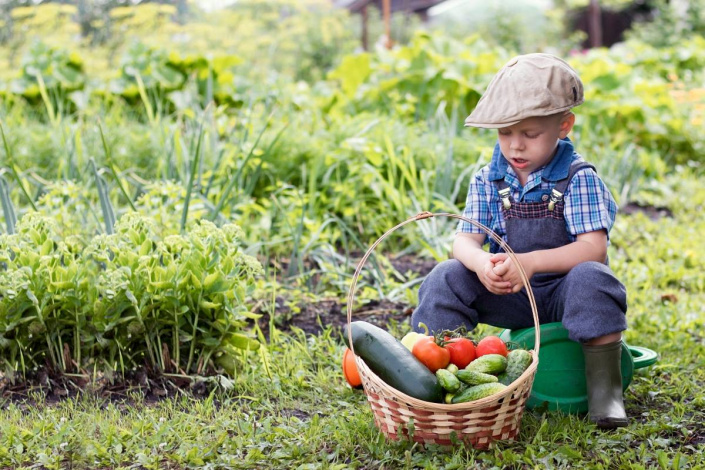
(488, 231)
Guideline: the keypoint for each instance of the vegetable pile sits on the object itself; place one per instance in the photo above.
(449, 367)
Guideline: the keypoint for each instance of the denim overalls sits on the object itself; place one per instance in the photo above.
(589, 299)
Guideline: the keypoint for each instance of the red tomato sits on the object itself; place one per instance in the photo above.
(431, 354)
(491, 345)
(350, 371)
(462, 351)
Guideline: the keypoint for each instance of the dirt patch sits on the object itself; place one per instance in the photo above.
(652, 212)
(314, 317)
(413, 264)
(144, 386)
(697, 437)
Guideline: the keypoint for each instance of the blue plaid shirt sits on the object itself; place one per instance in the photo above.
(589, 206)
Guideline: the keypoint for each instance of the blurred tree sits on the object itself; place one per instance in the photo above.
(518, 25)
(672, 22)
(98, 23)
(22, 23)
(92, 16)
(398, 8)
(604, 22)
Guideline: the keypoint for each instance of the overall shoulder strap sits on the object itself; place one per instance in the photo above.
(560, 187)
(575, 167)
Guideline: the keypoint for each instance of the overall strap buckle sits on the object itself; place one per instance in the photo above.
(556, 197)
(504, 194)
(562, 185)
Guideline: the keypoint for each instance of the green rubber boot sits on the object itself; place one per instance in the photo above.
(604, 385)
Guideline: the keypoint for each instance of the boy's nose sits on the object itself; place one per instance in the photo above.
(516, 144)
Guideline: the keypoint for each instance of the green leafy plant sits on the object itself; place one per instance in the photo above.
(50, 76)
(42, 298)
(178, 303)
(148, 75)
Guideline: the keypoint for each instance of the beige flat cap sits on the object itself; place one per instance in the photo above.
(527, 86)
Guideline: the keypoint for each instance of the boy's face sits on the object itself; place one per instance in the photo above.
(531, 143)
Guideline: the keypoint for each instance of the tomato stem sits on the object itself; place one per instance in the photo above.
(459, 332)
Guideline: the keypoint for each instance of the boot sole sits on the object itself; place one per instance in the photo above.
(610, 423)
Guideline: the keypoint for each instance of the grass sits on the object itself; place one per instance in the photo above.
(304, 416)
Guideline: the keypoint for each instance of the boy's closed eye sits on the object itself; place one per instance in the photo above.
(528, 135)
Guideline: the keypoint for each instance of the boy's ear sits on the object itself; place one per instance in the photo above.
(567, 122)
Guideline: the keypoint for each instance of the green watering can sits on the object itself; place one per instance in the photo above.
(560, 378)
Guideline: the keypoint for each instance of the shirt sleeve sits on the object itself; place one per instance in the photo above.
(476, 205)
(589, 205)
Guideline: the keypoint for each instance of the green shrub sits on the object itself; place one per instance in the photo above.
(125, 301)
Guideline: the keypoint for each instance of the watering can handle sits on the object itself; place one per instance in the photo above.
(642, 357)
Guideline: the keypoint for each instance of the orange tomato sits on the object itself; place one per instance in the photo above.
(431, 354)
(350, 372)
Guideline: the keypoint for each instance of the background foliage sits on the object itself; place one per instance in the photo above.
(164, 170)
(185, 121)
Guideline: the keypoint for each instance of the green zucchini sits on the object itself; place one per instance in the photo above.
(394, 363)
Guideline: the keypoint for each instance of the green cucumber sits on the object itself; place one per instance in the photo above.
(478, 391)
(473, 377)
(394, 363)
(448, 380)
(518, 360)
(489, 364)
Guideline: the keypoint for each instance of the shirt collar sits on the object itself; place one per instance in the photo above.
(555, 170)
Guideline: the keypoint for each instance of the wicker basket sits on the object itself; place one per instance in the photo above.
(476, 423)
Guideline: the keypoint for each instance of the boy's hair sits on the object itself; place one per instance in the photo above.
(527, 86)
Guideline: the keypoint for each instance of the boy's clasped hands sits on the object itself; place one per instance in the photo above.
(500, 274)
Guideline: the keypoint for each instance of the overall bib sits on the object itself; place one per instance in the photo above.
(589, 299)
(535, 226)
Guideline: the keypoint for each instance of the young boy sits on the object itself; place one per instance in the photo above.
(553, 210)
